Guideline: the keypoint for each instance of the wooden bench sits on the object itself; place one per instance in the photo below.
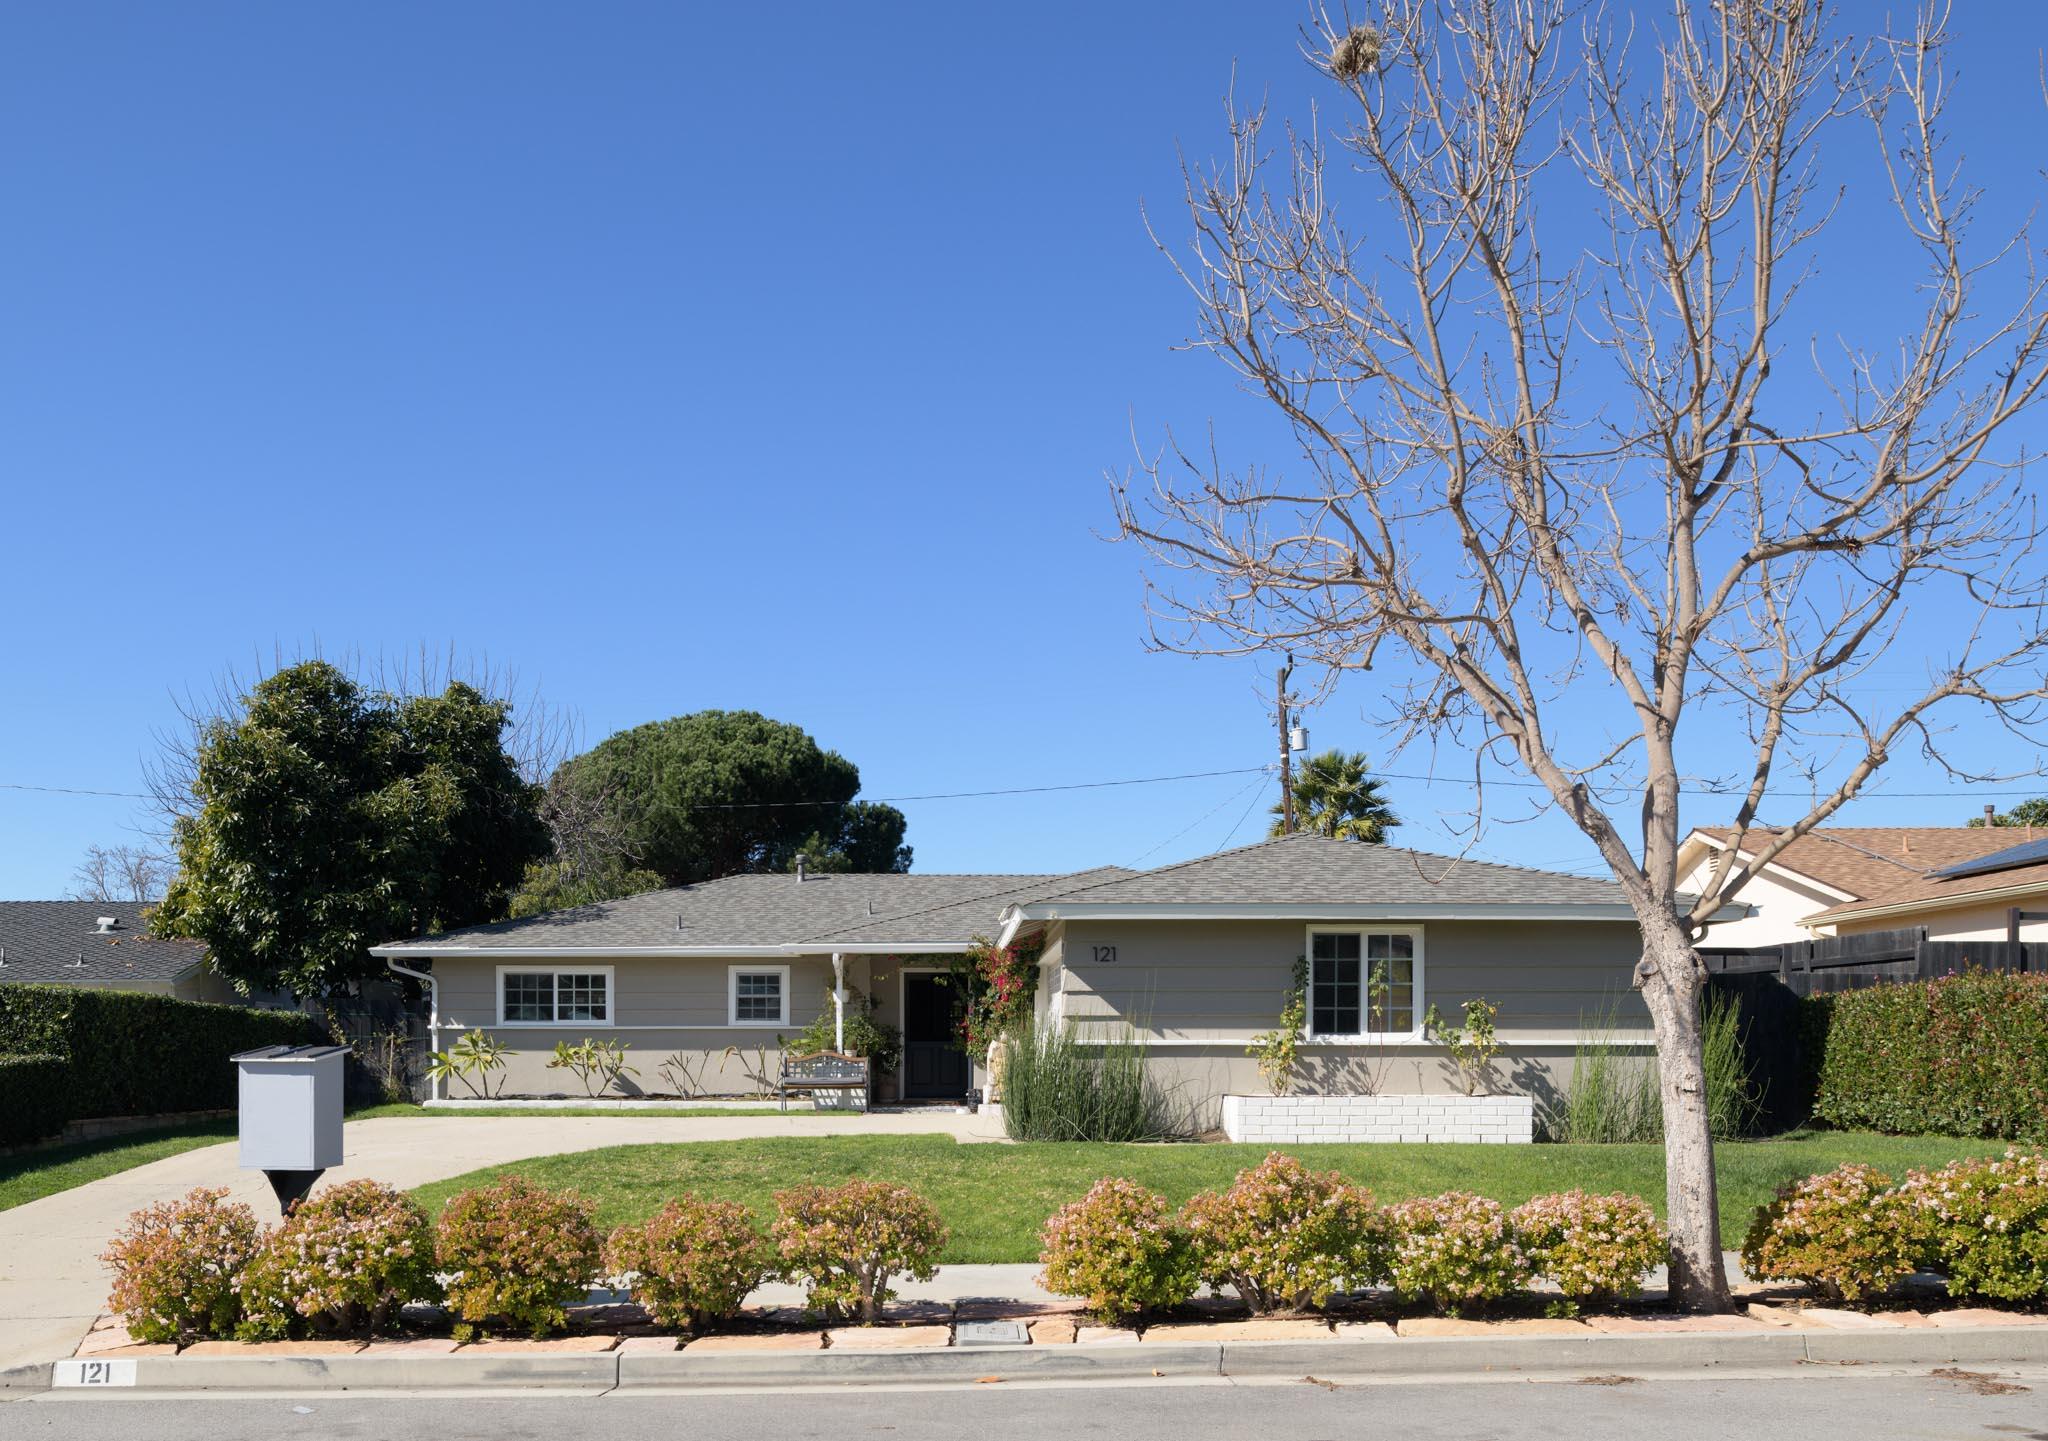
(821, 1071)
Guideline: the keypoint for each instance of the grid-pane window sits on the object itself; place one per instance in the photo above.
(529, 996)
(757, 996)
(582, 997)
(1361, 983)
(1334, 992)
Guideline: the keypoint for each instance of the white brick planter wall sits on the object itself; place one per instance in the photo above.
(1294, 1119)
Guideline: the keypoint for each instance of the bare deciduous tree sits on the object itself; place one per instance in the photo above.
(122, 873)
(1525, 470)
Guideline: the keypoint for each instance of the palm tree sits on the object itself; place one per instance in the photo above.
(1336, 796)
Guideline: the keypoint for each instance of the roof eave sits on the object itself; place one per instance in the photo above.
(1836, 914)
(1308, 911)
(402, 950)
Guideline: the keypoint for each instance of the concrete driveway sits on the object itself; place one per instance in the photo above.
(52, 1285)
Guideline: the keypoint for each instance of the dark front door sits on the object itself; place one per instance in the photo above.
(934, 1065)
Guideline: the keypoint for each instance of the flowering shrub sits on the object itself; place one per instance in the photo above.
(175, 1265)
(1285, 1237)
(1119, 1249)
(343, 1262)
(516, 1254)
(1845, 1232)
(1596, 1248)
(1456, 1249)
(848, 1242)
(1985, 1223)
(694, 1263)
(995, 985)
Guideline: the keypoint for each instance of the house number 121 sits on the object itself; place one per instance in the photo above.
(1105, 955)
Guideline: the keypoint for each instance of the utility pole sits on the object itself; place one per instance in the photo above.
(1286, 750)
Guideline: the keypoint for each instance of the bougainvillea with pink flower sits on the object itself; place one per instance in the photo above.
(1286, 1238)
(1457, 1251)
(693, 1263)
(996, 986)
(341, 1264)
(1594, 1248)
(515, 1255)
(1846, 1233)
(1121, 1249)
(175, 1265)
(847, 1243)
(1984, 1223)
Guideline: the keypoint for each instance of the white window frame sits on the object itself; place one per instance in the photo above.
(732, 995)
(1362, 930)
(611, 996)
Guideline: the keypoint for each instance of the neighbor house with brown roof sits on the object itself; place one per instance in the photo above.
(1957, 883)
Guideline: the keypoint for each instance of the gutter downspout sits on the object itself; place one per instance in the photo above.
(433, 1015)
(839, 1002)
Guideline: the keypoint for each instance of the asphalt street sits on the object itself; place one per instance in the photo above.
(1818, 1407)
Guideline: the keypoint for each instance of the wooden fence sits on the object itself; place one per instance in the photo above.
(1873, 958)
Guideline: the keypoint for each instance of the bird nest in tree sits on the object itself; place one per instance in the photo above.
(1356, 53)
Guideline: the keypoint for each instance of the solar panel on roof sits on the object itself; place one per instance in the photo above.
(2027, 853)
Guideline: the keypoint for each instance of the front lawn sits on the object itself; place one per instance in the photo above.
(31, 1175)
(997, 1197)
(671, 1110)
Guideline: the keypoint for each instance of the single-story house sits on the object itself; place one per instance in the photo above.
(1957, 883)
(1195, 959)
(103, 944)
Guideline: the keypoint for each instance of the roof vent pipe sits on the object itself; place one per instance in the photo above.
(108, 925)
(80, 961)
(1990, 815)
(801, 859)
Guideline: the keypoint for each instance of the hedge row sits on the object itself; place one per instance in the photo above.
(31, 1098)
(128, 1054)
(1966, 1055)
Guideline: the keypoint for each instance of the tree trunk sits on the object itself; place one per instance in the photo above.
(1672, 985)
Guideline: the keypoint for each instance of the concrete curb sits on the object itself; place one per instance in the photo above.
(1438, 1356)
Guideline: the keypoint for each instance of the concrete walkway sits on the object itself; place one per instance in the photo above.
(52, 1285)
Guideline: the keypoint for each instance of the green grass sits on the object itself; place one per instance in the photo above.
(35, 1174)
(995, 1197)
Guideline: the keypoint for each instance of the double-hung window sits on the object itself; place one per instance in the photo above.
(757, 996)
(541, 996)
(1364, 982)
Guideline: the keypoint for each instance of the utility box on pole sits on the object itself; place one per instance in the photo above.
(290, 1115)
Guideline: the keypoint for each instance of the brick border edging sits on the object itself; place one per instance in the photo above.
(1435, 1357)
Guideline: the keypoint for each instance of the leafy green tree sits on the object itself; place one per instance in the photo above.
(717, 793)
(2026, 813)
(1337, 796)
(556, 885)
(331, 818)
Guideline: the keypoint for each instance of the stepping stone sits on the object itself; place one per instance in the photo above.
(553, 1345)
(1521, 1326)
(1837, 1319)
(1783, 1317)
(887, 1338)
(762, 1341)
(274, 1348)
(1364, 1331)
(1986, 1316)
(647, 1345)
(413, 1346)
(1053, 1331)
(1671, 1325)
(1105, 1336)
(991, 1333)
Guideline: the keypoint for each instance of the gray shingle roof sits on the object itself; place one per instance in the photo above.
(1313, 870)
(853, 911)
(760, 910)
(41, 942)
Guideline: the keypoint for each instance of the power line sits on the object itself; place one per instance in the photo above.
(74, 791)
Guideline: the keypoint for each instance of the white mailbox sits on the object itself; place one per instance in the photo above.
(291, 1108)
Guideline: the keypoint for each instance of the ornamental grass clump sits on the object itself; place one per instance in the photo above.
(847, 1243)
(1984, 1223)
(1121, 1250)
(341, 1264)
(694, 1263)
(514, 1255)
(1456, 1251)
(1286, 1238)
(1596, 1249)
(175, 1265)
(1846, 1233)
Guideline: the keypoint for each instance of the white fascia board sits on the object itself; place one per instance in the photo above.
(795, 948)
(1269, 911)
(1776, 869)
(1924, 903)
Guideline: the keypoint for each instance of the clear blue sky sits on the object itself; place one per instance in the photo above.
(677, 356)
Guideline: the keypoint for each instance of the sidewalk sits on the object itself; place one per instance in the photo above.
(52, 1285)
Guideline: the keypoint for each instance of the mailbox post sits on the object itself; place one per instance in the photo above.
(290, 1116)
